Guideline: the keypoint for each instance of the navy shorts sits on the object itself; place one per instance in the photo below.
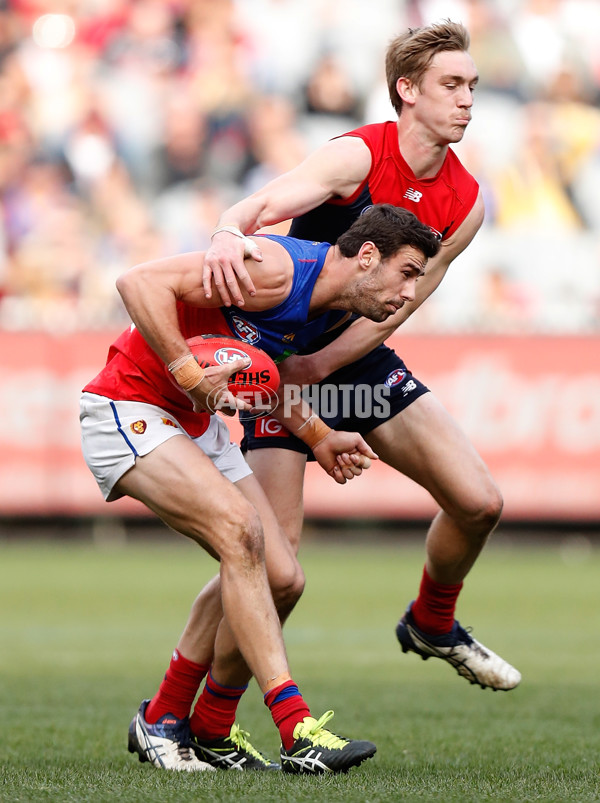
(356, 398)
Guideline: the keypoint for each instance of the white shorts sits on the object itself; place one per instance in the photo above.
(114, 433)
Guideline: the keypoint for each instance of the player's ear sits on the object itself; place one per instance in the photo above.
(406, 90)
(367, 255)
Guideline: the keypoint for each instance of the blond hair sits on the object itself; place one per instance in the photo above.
(410, 54)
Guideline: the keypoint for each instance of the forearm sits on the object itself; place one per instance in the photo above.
(328, 445)
(353, 343)
(279, 200)
(343, 455)
(245, 215)
(152, 306)
(336, 168)
(364, 335)
(298, 417)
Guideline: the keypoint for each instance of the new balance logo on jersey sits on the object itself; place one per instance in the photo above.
(413, 195)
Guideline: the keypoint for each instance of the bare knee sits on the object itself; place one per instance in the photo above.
(240, 538)
(483, 514)
(476, 512)
(287, 585)
(490, 507)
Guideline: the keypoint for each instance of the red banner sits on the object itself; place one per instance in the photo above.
(531, 406)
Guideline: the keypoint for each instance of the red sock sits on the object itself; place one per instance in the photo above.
(215, 709)
(178, 690)
(433, 610)
(287, 708)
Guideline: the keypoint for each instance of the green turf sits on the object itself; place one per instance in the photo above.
(87, 632)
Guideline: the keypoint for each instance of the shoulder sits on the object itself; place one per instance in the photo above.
(273, 276)
(458, 174)
(373, 136)
(340, 165)
(350, 144)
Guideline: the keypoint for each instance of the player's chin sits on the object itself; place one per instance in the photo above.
(458, 133)
(390, 310)
(378, 316)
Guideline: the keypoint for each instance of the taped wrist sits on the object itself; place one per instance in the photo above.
(313, 431)
(186, 372)
(249, 245)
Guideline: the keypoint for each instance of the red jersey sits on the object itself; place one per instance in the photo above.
(441, 202)
(133, 372)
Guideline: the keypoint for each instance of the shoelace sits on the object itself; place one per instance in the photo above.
(473, 643)
(240, 739)
(185, 752)
(184, 748)
(321, 737)
(181, 736)
(466, 634)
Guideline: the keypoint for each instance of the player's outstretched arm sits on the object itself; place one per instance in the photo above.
(363, 335)
(343, 455)
(336, 168)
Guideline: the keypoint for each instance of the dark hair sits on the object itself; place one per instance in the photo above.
(409, 55)
(389, 228)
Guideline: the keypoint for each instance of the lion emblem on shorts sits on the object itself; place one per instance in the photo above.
(139, 427)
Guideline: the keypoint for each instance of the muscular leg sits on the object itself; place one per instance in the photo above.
(215, 710)
(280, 473)
(182, 486)
(425, 443)
(285, 577)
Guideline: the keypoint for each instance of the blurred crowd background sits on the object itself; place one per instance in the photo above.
(127, 126)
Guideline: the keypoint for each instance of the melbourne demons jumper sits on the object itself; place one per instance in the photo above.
(441, 202)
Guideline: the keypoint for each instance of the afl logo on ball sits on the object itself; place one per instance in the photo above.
(394, 378)
(246, 330)
(229, 354)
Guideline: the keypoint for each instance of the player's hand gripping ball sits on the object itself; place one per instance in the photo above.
(256, 384)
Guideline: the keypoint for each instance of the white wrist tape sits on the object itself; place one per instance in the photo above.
(249, 245)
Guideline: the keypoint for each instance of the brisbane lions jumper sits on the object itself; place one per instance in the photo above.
(133, 372)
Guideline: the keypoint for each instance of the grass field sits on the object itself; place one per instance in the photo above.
(87, 632)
